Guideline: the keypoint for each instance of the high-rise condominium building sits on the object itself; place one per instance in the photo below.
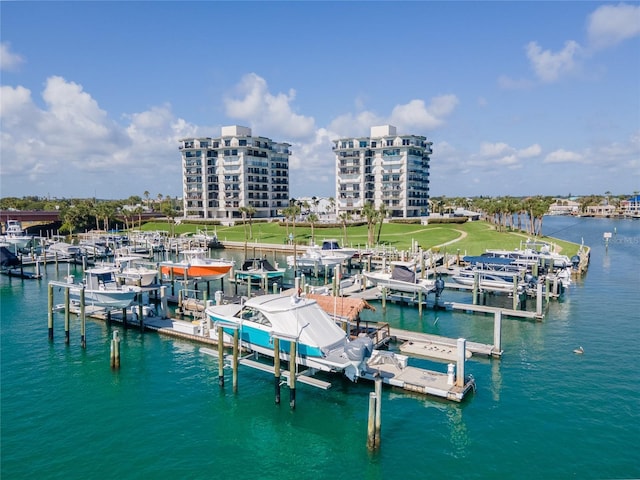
(383, 169)
(222, 175)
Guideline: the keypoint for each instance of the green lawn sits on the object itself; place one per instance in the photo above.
(471, 238)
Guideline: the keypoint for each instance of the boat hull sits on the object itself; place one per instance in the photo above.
(105, 298)
(210, 272)
(383, 280)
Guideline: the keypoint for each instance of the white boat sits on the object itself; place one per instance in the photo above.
(15, 237)
(488, 279)
(401, 278)
(540, 252)
(314, 258)
(332, 248)
(134, 272)
(320, 343)
(64, 250)
(101, 288)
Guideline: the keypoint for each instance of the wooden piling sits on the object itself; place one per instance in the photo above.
(292, 375)
(378, 420)
(220, 356)
(546, 288)
(83, 320)
(515, 292)
(50, 317)
(67, 315)
(476, 286)
(140, 312)
(384, 298)
(371, 428)
(276, 368)
(236, 349)
(115, 351)
(539, 299)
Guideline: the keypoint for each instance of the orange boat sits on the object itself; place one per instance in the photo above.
(196, 264)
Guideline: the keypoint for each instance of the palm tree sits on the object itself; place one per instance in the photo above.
(382, 214)
(251, 211)
(170, 213)
(332, 205)
(312, 219)
(243, 211)
(370, 213)
(344, 218)
(138, 211)
(146, 198)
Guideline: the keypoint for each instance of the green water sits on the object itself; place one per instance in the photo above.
(539, 412)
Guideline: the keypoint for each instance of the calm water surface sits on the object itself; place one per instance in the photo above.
(539, 412)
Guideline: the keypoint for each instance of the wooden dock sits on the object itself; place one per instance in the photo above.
(423, 381)
(477, 349)
(465, 307)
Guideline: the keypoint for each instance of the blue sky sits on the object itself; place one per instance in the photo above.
(518, 98)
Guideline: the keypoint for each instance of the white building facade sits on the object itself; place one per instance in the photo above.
(221, 175)
(383, 169)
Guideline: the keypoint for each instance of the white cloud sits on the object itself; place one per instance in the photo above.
(563, 156)
(609, 25)
(549, 66)
(494, 149)
(412, 117)
(415, 115)
(531, 151)
(9, 61)
(354, 125)
(72, 140)
(270, 114)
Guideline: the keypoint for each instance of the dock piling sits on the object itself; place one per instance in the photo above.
(67, 314)
(50, 317)
(236, 334)
(83, 320)
(276, 368)
(539, 299)
(115, 351)
(292, 375)
(378, 422)
(220, 356)
(462, 348)
(497, 331)
(371, 429)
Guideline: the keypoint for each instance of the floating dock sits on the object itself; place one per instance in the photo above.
(448, 345)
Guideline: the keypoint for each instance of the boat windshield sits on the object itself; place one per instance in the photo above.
(252, 315)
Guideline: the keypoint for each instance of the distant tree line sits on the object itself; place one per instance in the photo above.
(506, 213)
(80, 214)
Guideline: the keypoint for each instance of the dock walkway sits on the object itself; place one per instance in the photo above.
(474, 347)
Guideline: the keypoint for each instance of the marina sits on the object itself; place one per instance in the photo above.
(537, 367)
